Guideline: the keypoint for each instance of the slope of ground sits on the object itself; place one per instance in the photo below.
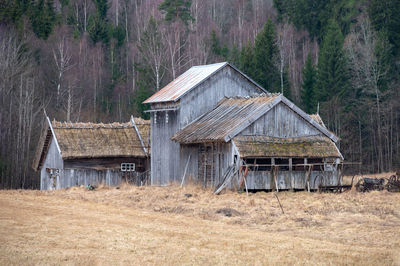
(152, 225)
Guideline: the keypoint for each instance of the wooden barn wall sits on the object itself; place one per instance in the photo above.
(167, 165)
(291, 179)
(212, 158)
(281, 122)
(192, 170)
(78, 177)
(226, 83)
(108, 163)
(53, 160)
(164, 152)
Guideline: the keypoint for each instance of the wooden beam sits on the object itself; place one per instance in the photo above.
(138, 133)
(54, 135)
(184, 173)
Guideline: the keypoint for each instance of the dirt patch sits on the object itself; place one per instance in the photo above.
(228, 212)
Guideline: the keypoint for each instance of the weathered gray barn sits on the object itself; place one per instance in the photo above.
(189, 96)
(74, 154)
(264, 141)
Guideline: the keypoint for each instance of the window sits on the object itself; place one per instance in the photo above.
(264, 164)
(298, 164)
(258, 164)
(250, 162)
(127, 167)
(282, 163)
(318, 163)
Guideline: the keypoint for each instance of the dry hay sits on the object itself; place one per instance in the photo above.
(153, 225)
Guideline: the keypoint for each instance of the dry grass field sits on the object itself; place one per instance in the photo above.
(154, 225)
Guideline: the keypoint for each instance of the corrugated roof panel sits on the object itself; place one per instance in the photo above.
(185, 82)
(229, 114)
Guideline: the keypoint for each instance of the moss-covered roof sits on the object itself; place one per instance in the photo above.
(264, 146)
(96, 140)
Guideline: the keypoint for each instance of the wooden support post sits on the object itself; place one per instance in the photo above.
(309, 170)
(292, 180)
(273, 180)
(212, 166)
(276, 169)
(184, 173)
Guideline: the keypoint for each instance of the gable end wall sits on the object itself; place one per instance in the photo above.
(281, 122)
(225, 83)
(53, 160)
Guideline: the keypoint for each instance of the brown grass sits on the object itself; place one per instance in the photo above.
(153, 225)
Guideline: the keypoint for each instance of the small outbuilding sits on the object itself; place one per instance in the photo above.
(263, 142)
(74, 154)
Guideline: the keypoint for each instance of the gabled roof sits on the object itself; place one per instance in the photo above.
(264, 146)
(90, 140)
(233, 115)
(190, 80)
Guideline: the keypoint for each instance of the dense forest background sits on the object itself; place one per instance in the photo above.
(97, 60)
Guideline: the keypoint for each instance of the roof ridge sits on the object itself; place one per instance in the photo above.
(254, 95)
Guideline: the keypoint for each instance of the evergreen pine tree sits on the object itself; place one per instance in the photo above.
(215, 47)
(286, 85)
(176, 10)
(308, 86)
(384, 16)
(332, 75)
(43, 18)
(246, 60)
(265, 56)
(234, 56)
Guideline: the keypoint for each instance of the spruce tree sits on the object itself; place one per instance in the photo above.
(332, 75)
(286, 84)
(43, 18)
(308, 86)
(265, 56)
(176, 10)
(246, 60)
(384, 16)
(234, 56)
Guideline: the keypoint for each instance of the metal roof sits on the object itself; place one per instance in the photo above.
(233, 115)
(188, 81)
(221, 122)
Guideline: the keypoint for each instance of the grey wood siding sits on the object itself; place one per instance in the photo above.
(164, 152)
(281, 122)
(291, 179)
(78, 177)
(214, 161)
(167, 159)
(108, 163)
(226, 83)
(53, 160)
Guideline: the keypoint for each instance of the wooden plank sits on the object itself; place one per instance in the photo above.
(184, 173)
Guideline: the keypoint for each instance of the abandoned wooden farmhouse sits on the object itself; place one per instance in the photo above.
(189, 96)
(74, 154)
(214, 124)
